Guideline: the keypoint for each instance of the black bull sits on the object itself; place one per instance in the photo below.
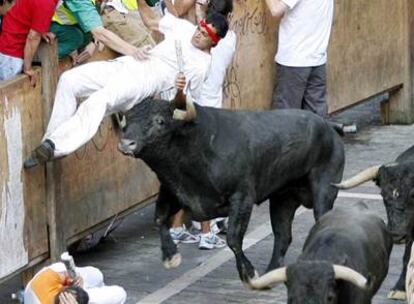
(396, 181)
(344, 249)
(223, 162)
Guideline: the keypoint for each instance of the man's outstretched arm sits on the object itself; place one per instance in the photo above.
(149, 17)
(277, 8)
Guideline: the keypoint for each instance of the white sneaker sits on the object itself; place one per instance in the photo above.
(211, 241)
(213, 227)
(181, 235)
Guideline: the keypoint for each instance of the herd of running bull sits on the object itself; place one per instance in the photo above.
(217, 162)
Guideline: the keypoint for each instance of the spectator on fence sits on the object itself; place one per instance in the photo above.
(212, 96)
(304, 33)
(22, 29)
(52, 284)
(77, 24)
(117, 85)
(122, 18)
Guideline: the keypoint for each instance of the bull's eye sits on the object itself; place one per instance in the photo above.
(395, 193)
(160, 121)
(330, 298)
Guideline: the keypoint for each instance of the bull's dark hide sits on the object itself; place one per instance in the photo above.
(224, 162)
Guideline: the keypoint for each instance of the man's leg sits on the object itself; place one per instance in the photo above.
(119, 94)
(107, 295)
(81, 81)
(70, 38)
(208, 239)
(92, 277)
(290, 85)
(314, 98)
(179, 233)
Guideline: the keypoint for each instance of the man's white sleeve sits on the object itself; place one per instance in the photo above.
(196, 85)
(171, 25)
(290, 3)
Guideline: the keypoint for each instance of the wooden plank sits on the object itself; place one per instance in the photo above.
(99, 182)
(23, 230)
(249, 82)
(367, 51)
(50, 68)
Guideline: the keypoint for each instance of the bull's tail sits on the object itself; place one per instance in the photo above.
(342, 129)
(339, 128)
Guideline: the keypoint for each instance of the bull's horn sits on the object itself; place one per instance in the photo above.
(350, 275)
(189, 114)
(272, 277)
(360, 178)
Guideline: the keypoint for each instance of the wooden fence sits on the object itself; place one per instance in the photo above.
(45, 209)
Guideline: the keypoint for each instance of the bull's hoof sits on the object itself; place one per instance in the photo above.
(174, 262)
(248, 283)
(397, 295)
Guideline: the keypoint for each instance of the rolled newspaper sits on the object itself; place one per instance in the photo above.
(67, 259)
(179, 54)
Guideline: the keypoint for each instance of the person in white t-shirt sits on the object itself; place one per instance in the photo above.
(304, 33)
(211, 96)
(117, 85)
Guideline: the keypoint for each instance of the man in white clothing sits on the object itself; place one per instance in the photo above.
(119, 84)
(53, 285)
(304, 34)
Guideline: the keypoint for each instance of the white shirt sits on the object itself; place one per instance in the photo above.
(160, 70)
(304, 33)
(196, 62)
(221, 57)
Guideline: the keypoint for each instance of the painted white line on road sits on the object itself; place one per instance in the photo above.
(207, 266)
(343, 194)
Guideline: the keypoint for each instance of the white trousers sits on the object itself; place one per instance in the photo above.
(111, 86)
(98, 292)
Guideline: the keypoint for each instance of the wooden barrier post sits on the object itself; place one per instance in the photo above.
(401, 102)
(50, 73)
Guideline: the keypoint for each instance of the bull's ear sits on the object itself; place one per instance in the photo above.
(370, 281)
(378, 178)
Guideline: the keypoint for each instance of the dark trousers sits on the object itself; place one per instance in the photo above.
(301, 88)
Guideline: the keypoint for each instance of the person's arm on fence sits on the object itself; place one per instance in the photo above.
(277, 8)
(112, 41)
(30, 48)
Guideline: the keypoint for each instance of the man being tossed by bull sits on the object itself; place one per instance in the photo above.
(118, 85)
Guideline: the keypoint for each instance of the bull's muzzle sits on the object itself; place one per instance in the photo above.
(127, 146)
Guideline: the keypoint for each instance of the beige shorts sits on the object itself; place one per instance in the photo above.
(127, 26)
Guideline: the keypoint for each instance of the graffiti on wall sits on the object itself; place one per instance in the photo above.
(250, 22)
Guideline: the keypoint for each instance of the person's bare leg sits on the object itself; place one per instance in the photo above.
(178, 233)
(205, 227)
(178, 219)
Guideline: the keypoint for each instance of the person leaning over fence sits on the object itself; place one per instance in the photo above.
(119, 84)
(52, 285)
(211, 96)
(22, 29)
(77, 24)
(304, 33)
